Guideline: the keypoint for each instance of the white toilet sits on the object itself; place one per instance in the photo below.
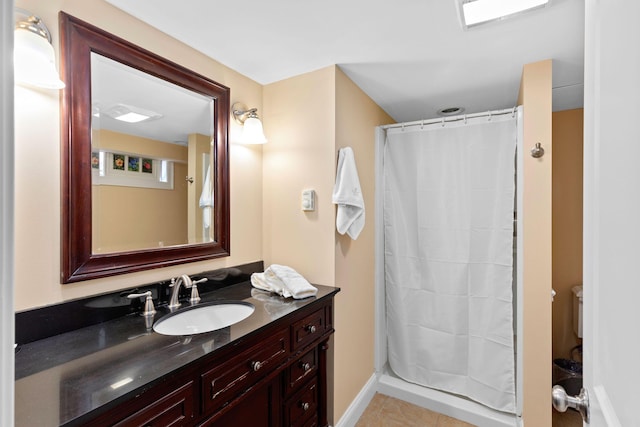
(568, 372)
(577, 310)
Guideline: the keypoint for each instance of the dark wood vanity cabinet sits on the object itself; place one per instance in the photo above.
(274, 377)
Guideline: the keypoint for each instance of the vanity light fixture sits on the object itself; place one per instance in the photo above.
(475, 12)
(33, 56)
(252, 132)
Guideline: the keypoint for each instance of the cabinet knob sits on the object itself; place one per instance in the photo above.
(306, 366)
(256, 366)
(311, 329)
(305, 406)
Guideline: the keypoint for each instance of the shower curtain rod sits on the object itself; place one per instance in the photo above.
(444, 120)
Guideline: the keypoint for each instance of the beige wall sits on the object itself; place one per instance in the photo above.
(567, 225)
(535, 96)
(121, 142)
(356, 118)
(37, 182)
(299, 120)
(308, 118)
(130, 218)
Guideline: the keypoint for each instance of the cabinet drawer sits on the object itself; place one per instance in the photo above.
(228, 380)
(174, 409)
(302, 406)
(308, 329)
(302, 369)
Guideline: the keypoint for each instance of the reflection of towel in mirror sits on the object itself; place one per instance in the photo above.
(348, 196)
(206, 199)
(284, 281)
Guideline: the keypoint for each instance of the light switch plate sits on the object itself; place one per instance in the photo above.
(308, 200)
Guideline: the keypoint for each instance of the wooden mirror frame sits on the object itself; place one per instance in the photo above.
(78, 262)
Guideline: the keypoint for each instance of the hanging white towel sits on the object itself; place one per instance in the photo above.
(348, 195)
(206, 199)
(284, 281)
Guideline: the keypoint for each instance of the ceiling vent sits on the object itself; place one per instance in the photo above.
(450, 111)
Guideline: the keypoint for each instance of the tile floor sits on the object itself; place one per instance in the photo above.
(385, 411)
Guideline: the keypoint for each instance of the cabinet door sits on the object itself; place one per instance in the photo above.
(259, 408)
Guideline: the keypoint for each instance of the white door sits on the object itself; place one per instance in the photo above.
(612, 212)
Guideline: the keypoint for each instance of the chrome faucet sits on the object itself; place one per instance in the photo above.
(175, 284)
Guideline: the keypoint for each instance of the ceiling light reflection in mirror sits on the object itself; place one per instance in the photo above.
(116, 85)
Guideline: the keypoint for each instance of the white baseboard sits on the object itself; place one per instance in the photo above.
(359, 404)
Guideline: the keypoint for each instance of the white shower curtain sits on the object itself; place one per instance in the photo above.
(448, 241)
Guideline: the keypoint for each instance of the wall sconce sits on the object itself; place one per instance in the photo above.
(33, 56)
(252, 132)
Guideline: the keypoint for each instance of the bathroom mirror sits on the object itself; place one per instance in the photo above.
(145, 181)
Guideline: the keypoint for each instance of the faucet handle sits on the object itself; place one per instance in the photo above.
(195, 296)
(149, 309)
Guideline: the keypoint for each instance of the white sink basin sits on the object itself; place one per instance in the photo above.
(203, 318)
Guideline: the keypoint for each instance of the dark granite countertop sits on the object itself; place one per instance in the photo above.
(62, 378)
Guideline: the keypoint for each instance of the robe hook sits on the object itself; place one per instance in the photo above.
(537, 151)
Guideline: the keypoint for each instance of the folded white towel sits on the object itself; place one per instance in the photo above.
(284, 281)
(348, 195)
(295, 285)
(267, 283)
